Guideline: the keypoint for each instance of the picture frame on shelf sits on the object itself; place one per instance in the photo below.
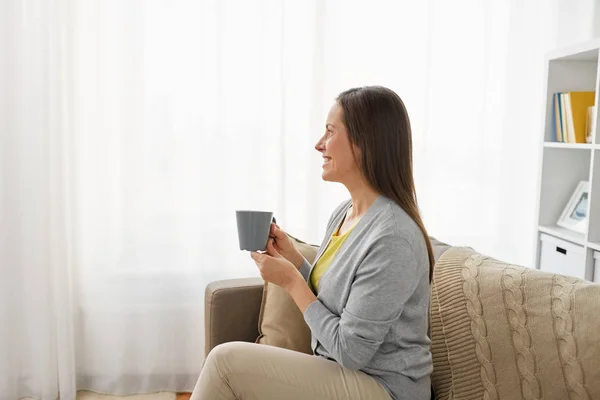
(575, 213)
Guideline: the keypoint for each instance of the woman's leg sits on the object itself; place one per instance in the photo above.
(248, 371)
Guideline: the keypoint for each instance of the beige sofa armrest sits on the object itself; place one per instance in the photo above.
(231, 309)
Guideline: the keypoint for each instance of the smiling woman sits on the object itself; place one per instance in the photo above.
(366, 297)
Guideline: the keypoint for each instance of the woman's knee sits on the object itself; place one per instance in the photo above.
(224, 356)
(230, 348)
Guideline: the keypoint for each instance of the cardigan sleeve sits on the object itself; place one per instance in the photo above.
(385, 279)
(305, 269)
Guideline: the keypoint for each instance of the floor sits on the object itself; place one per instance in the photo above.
(86, 395)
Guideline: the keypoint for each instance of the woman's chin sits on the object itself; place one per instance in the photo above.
(326, 176)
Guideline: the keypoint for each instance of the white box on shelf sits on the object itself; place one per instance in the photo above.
(596, 266)
(561, 257)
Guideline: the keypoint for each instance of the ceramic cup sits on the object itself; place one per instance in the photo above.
(253, 229)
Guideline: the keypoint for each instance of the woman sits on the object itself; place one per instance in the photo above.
(366, 299)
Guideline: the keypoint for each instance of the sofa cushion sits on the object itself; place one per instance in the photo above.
(502, 331)
(280, 322)
(438, 247)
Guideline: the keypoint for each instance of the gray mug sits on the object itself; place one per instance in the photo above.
(253, 229)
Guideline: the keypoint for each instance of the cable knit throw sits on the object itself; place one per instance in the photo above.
(502, 331)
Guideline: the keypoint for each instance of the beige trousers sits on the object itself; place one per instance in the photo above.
(246, 371)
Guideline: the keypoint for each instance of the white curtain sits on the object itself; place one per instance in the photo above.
(131, 131)
(37, 342)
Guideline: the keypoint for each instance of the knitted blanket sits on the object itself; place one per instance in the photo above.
(502, 331)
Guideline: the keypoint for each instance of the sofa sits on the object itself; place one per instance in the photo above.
(498, 331)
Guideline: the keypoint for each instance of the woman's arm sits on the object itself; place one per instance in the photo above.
(301, 293)
(385, 280)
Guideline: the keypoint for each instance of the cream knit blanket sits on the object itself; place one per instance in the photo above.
(502, 331)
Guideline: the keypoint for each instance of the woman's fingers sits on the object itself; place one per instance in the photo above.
(276, 231)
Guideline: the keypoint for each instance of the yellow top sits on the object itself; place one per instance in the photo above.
(328, 255)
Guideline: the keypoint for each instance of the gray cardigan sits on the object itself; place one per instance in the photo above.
(371, 312)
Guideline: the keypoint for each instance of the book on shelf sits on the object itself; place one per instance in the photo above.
(573, 116)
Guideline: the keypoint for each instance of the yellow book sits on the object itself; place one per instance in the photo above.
(580, 101)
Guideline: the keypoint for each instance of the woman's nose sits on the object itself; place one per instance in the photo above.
(319, 146)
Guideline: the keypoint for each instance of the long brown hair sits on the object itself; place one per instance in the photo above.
(378, 124)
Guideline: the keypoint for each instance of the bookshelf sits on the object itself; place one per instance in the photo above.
(564, 165)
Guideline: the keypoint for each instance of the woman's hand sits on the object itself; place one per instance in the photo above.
(284, 246)
(275, 268)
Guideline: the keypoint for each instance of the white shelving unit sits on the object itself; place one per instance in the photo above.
(564, 165)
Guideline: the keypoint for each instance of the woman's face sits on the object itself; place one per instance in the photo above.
(335, 147)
